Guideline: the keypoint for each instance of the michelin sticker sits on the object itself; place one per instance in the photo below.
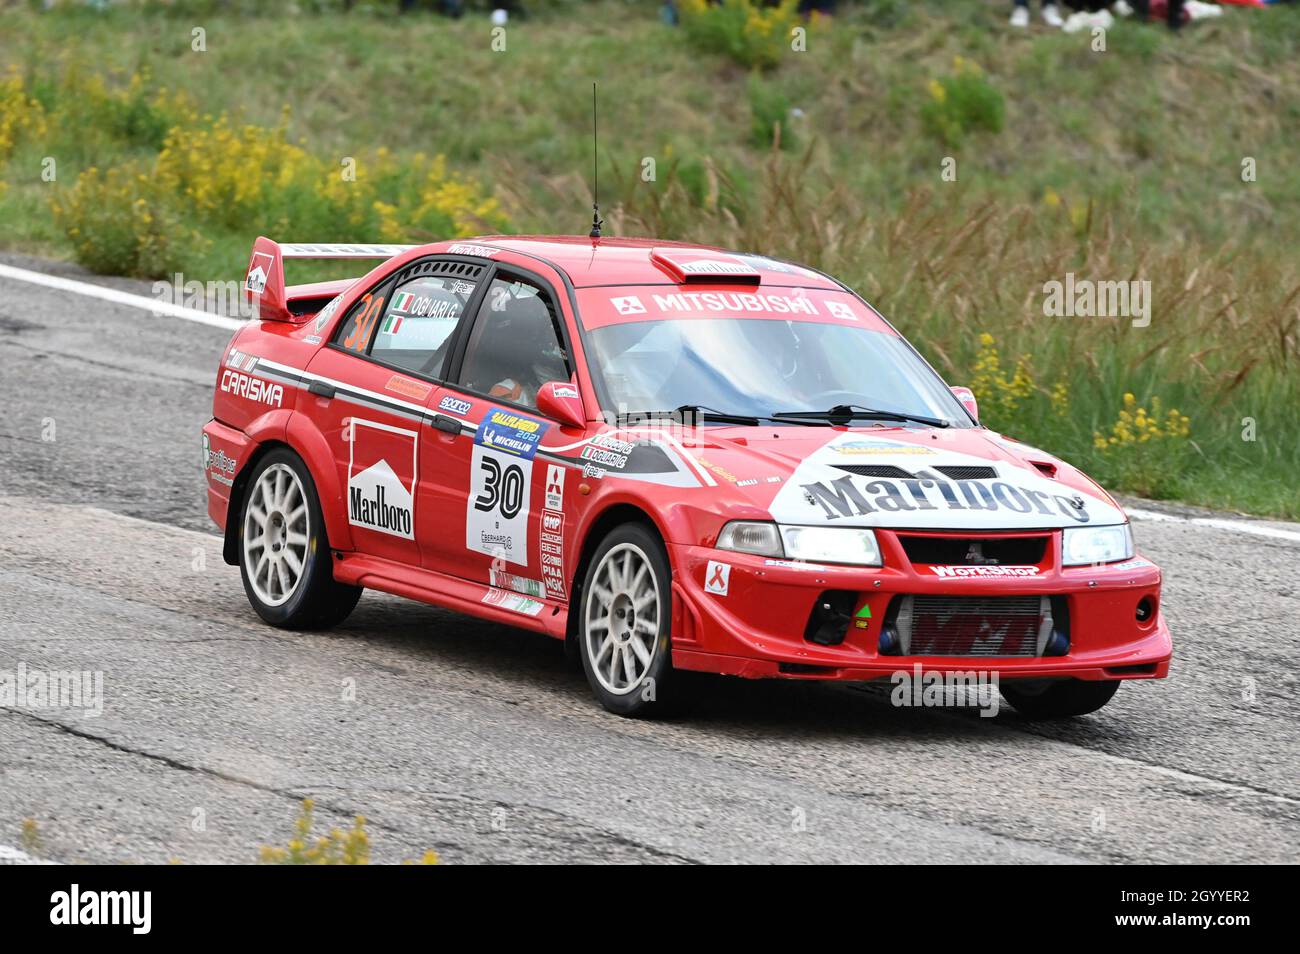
(501, 480)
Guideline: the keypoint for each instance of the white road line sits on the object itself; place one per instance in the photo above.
(15, 856)
(1235, 526)
(155, 307)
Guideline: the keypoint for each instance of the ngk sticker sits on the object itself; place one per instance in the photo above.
(551, 545)
(381, 478)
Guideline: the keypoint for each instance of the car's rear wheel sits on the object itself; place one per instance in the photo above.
(284, 554)
(1059, 700)
(623, 632)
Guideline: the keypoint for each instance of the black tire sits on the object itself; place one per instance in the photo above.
(1059, 700)
(316, 600)
(652, 693)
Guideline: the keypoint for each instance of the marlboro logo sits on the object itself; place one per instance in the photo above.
(381, 478)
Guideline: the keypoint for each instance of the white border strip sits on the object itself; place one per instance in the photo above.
(1235, 526)
(155, 307)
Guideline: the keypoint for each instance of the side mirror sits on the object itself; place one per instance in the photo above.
(967, 398)
(560, 401)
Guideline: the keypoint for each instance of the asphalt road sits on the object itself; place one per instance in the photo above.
(477, 741)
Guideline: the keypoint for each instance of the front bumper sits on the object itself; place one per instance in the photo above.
(757, 629)
(225, 451)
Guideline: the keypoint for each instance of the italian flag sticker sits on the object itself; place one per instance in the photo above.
(391, 324)
(402, 301)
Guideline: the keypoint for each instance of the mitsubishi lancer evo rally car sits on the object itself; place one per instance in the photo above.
(674, 458)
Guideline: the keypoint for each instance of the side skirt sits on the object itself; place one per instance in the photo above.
(449, 592)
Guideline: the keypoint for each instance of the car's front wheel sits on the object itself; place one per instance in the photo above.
(284, 554)
(623, 632)
(1059, 700)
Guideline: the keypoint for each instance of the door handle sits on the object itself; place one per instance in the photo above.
(320, 389)
(444, 423)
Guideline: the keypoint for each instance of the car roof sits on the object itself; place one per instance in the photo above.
(627, 261)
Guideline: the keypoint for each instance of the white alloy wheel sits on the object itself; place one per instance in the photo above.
(276, 533)
(622, 619)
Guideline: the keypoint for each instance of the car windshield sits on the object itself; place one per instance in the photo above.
(763, 366)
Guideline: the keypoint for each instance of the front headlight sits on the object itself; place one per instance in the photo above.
(1083, 546)
(831, 545)
(751, 536)
(811, 544)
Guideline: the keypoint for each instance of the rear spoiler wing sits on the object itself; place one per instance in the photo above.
(264, 281)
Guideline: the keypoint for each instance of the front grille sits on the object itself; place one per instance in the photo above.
(968, 473)
(973, 625)
(876, 470)
(975, 551)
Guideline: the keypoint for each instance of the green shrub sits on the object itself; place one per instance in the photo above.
(770, 108)
(962, 102)
(125, 222)
(744, 30)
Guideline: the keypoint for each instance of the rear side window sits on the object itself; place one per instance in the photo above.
(355, 330)
(415, 331)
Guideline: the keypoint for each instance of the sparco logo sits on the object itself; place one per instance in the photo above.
(375, 512)
(255, 389)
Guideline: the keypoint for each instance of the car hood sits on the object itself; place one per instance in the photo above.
(918, 478)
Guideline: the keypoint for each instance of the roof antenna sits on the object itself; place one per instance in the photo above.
(595, 172)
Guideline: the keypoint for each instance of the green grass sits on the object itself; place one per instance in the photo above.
(1141, 145)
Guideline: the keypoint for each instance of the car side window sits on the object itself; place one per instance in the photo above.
(355, 330)
(514, 347)
(415, 330)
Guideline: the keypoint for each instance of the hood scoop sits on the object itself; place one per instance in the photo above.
(952, 472)
(876, 470)
(968, 473)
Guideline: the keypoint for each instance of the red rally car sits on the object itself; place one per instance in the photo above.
(674, 457)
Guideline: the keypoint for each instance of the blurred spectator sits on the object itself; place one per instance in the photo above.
(1173, 11)
(1020, 15)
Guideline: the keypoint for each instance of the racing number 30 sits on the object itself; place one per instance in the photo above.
(370, 309)
(503, 489)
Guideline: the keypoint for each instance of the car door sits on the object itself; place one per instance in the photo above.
(503, 495)
(371, 389)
